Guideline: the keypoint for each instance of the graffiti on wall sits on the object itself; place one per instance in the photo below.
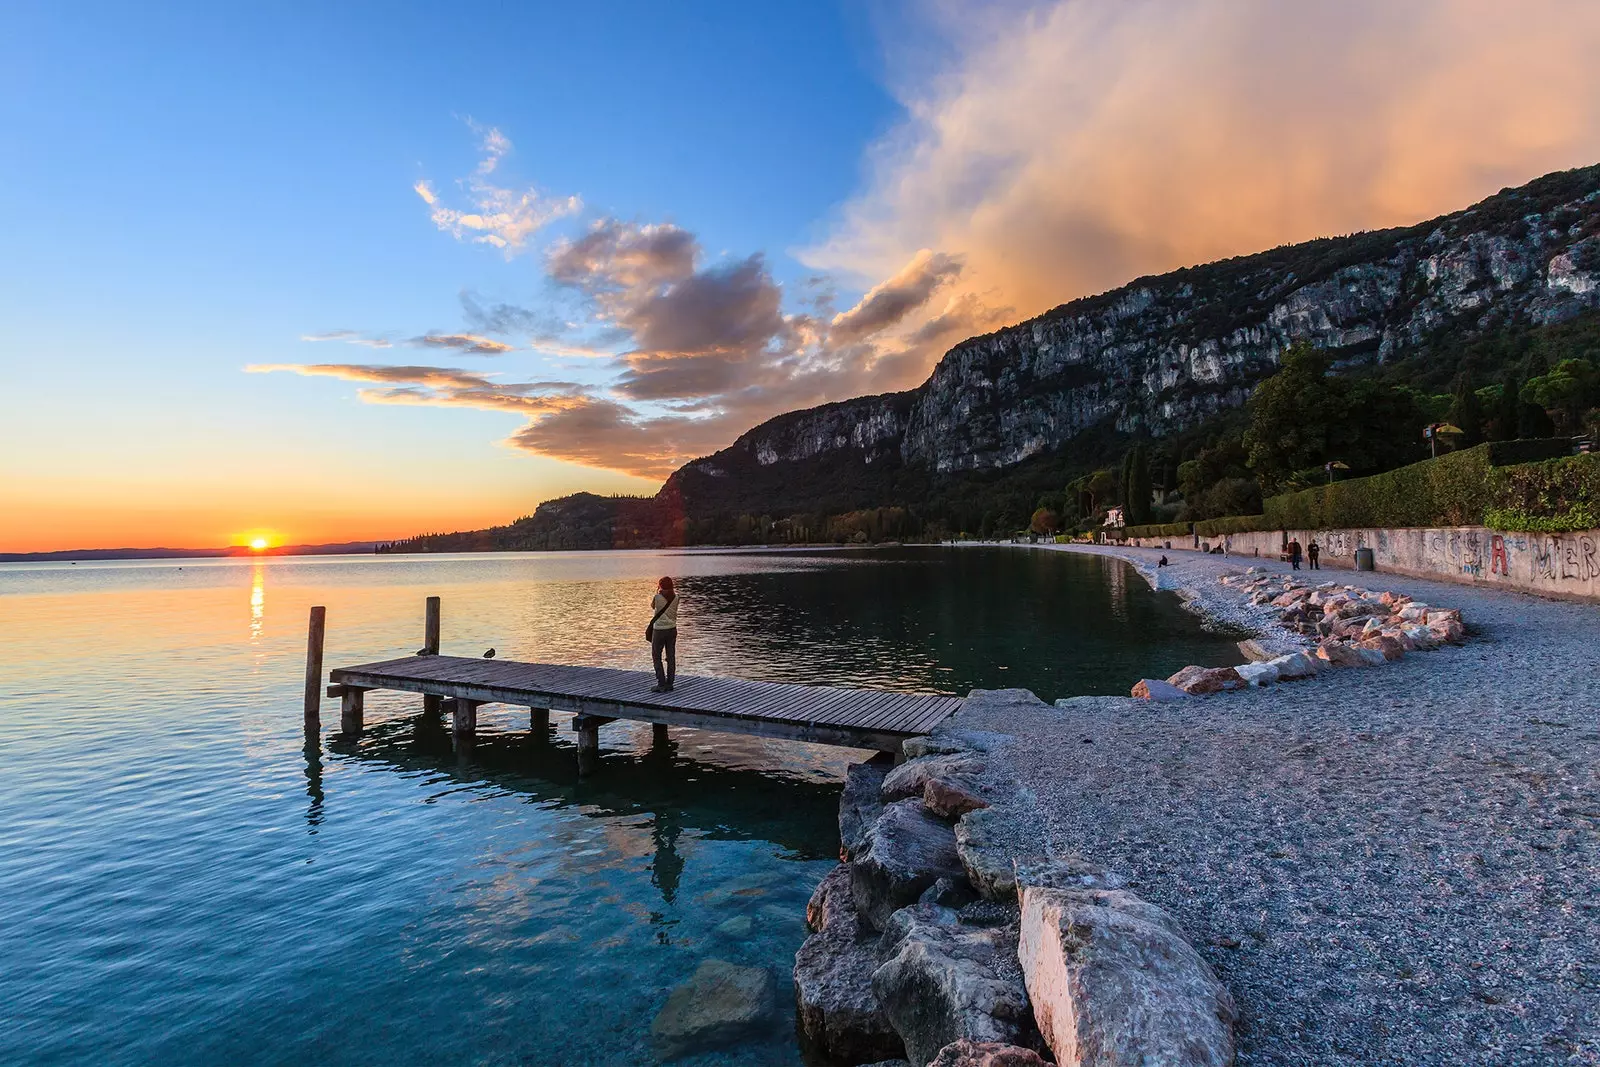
(1566, 557)
(1540, 557)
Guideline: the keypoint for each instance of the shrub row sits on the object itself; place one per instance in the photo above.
(1493, 485)
(1549, 497)
(1231, 524)
(1158, 529)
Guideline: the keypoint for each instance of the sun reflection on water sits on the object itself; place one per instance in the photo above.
(258, 600)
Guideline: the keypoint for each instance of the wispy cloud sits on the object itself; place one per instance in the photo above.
(502, 217)
(349, 337)
(468, 343)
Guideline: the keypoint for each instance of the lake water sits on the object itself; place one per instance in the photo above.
(188, 881)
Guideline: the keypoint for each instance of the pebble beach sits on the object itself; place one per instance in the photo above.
(1386, 865)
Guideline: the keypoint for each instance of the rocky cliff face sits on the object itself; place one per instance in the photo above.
(1162, 353)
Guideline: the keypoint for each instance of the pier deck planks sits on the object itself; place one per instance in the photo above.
(855, 718)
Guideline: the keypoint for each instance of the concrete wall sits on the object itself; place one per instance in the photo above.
(1563, 565)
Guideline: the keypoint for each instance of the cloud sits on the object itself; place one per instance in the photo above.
(1078, 145)
(889, 302)
(469, 343)
(565, 420)
(498, 216)
(349, 337)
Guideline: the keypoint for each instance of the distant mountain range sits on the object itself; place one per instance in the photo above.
(83, 554)
(1157, 356)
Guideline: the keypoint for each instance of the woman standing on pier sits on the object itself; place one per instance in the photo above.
(663, 634)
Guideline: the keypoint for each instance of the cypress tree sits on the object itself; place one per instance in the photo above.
(1508, 412)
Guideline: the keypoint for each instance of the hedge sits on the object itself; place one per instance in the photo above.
(1493, 485)
(1549, 497)
(1158, 529)
(1232, 524)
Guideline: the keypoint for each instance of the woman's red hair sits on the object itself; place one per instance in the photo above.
(665, 588)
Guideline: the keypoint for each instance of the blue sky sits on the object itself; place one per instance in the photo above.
(735, 209)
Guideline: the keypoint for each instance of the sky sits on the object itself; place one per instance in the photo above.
(342, 272)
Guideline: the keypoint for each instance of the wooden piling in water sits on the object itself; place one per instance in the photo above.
(431, 704)
(588, 730)
(658, 734)
(464, 716)
(314, 636)
(430, 628)
(352, 706)
(539, 720)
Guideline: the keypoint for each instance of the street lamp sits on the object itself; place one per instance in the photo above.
(1335, 465)
(1435, 430)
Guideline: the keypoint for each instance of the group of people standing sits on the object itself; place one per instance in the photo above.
(1312, 553)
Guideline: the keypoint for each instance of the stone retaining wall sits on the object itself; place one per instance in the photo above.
(1565, 565)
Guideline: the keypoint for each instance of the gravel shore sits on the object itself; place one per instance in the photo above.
(1389, 865)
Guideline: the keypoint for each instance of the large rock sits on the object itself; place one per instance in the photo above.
(969, 741)
(951, 798)
(721, 1003)
(1257, 674)
(943, 981)
(835, 1008)
(909, 779)
(902, 853)
(1343, 654)
(1198, 680)
(985, 851)
(966, 1053)
(860, 805)
(1295, 665)
(1155, 689)
(1113, 981)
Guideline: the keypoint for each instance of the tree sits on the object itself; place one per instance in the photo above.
(1045, 521)
(1508, 409)
(1567, 391)
(1466, 410)
(1290, 416)
(1136, 486)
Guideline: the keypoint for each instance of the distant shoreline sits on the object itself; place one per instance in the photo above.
(79, 555)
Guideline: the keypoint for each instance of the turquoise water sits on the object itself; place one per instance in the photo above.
(188, 881)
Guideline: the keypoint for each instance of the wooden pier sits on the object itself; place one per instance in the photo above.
(852, 718)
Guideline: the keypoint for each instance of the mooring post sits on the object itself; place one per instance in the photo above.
(658, 734)
(314, 636)
(431, 702)
(588, 730)
(430, 628)
(464, 716)
(352, 703)
(539, 721)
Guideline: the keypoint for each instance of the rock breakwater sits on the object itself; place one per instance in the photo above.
(949, 934)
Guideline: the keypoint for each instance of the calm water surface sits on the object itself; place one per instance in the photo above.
(188, 881)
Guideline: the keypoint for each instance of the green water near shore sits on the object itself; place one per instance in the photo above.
(193, 883)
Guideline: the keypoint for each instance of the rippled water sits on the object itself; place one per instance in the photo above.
(187, 881)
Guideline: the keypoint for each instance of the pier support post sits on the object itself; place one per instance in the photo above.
(464, 716)
(430, 627)
(314, 636)
(658, 734)
(352, 705)
(588, 730)
(539, 721)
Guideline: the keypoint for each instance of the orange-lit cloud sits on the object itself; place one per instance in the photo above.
(1089, 142)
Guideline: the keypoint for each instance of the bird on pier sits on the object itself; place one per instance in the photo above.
(489, 654)
(425, 652)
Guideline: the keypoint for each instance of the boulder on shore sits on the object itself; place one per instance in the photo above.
(910, 778)
(950, 798)
(985, 854)
(1295, 665)
(1155, 689)
(860, 805)
(902, 853)
(966, 1053)
(836, 1010)
(943, 981)
(1113, 981)
(1198, 680)
(720, 1004)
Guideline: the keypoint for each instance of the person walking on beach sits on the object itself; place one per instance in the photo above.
(1294, 553)
(1312, 553)
(663, 634)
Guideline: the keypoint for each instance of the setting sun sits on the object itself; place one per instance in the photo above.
(258, 543)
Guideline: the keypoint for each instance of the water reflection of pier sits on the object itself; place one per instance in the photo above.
(677, 792)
